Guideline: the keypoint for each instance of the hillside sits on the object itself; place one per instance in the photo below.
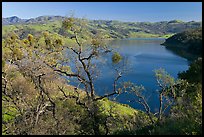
(38, 100)
(69, 113)
(187, 44)
(113, 29)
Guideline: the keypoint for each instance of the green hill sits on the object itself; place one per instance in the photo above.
(113, 29)
(187, 44)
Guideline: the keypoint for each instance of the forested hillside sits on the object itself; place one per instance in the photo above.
(187, 44)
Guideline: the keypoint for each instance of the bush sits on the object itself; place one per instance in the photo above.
(116, 58)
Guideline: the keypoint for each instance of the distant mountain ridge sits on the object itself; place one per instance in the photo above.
(114, 29)
(42, 19)
(12, 20)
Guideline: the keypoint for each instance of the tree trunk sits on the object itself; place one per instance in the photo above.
(96, 119)
(160, 107)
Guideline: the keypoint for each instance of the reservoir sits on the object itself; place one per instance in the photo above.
(140, 57)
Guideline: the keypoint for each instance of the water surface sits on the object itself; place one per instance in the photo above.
(141, 57)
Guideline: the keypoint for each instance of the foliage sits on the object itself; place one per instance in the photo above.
(32, 82)
(194, 73)
(187, 44)
(116, 57)
(68, 112)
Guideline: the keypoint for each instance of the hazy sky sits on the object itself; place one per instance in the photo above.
(123, 11)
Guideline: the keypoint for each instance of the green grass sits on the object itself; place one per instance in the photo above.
(122, 109)
(50, 26)
(8, 28)
(166, 36)
(142, 35)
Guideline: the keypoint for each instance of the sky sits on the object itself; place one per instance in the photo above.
(122, 11)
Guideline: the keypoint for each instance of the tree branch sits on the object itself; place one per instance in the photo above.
(114, 89)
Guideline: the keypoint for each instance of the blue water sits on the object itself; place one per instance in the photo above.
(140, 58)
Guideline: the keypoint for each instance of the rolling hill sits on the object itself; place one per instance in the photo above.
(113, 29)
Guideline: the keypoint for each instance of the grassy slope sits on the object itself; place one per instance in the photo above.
(113, 29)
